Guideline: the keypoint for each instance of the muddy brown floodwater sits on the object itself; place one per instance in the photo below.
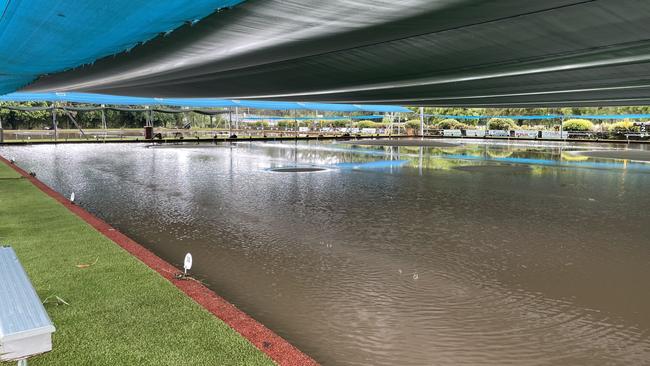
(481, 253)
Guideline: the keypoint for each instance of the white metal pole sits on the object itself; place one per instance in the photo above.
(295, 120)
(56, 130)
(229, 122)
(236, 118)
(397, 132)
(104, 120)
(398, 120)
(422, 122)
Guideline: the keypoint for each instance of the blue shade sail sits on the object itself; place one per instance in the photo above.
(46, 36)
(473, 53)
(427, 52)
(196, 102)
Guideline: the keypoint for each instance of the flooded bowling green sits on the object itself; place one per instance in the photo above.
(456, 253)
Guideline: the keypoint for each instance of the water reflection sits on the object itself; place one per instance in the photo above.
(530, 155)
(476, 254)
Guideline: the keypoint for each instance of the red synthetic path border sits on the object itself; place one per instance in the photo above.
(260, 336)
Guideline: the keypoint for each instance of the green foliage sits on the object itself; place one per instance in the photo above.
(414, 123)
(532, 127)
(368, 124)
(120, 119)
(291, 123)
(501, 124)
(447, 124)
(334, 123)
(577, 124)
(458, 111)
(14, 119)
(623, 126)
(451, 124)
(259, 124)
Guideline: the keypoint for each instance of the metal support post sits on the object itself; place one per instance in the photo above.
(74, 121)
(229, 122)
(295, 121)
(104, 120)
(422, 122)
(54, 123)
(236, 118)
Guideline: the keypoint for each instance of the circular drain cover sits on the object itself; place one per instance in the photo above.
(297, 170)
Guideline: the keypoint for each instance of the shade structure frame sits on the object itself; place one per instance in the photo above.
(196, 103)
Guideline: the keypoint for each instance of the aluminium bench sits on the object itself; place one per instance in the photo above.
(25, 327)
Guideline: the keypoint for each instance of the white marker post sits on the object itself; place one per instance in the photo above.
(187, 264)
(72, 197)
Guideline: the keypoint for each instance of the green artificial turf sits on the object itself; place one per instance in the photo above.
(120, 311)
(7, 173)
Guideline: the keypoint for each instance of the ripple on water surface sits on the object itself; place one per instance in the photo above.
(393, 255)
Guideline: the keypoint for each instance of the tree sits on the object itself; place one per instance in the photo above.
(501, 124)
(368, 124)
(18, 119)
(413, 123)
(451, 124)
(577, 124)
(624, 126)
